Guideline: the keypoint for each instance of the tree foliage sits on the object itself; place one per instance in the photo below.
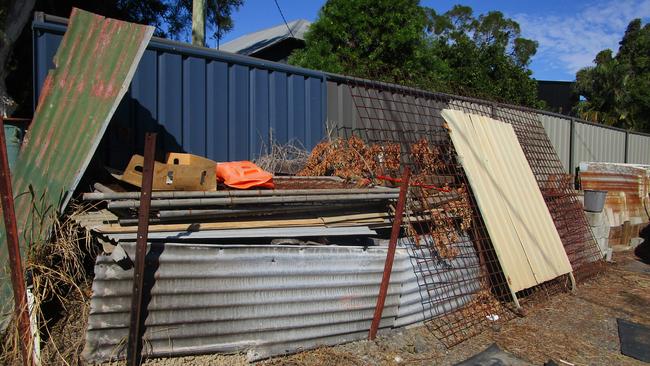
(172, 19)
(617, 88)
(400, 41)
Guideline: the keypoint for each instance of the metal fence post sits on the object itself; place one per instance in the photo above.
(17, 273)
(390, 255)
(572, 146)
(626, 158)
(134, 347)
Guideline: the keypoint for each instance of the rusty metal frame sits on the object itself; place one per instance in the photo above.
(134, 347)
(390, 255)
(21, 309)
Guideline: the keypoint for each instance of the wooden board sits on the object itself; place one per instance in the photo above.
(181, 173)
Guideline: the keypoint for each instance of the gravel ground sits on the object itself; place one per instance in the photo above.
(576, 328)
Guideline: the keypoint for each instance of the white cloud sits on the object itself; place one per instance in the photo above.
(571, 41)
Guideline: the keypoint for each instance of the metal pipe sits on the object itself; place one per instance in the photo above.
(312, 177)
(196, 202)
(104, 190)
(390, 255)
(264, 210)
(180, 215)
(17, 273)
(134, 347)
(101, 196)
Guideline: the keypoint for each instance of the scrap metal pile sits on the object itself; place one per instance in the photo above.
(344, 189)
(462, 262)
(232, 258)
(309, 207)
(388, 115)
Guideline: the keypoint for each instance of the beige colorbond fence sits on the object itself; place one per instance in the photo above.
(574, 140)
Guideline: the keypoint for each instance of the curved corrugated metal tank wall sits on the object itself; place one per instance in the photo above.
(263, 300)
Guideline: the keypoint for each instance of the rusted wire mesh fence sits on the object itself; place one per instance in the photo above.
(462, 286)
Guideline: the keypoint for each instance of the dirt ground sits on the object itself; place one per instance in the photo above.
(578, 329)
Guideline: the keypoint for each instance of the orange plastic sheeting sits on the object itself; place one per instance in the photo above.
(244, 175)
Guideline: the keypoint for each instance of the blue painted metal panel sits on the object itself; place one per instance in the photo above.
(238, 122)
(259, 112)
(207, 102)
(279, 107)
(194, 94)
(170, 101)
(314, 133)
(217, 110)
(144, 102)
(297, 100)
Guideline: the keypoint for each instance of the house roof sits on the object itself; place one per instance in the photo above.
(254, 42)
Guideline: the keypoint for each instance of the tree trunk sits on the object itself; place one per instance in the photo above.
(17, 14)
(198, 23)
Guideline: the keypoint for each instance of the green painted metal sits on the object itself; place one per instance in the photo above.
(94, 65)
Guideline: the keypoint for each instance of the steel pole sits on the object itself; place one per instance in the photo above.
(390, 255)
(228, 201)
(17, 273)
(101, 196)
(134, 347)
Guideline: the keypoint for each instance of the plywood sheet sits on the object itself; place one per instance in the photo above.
(512, 206)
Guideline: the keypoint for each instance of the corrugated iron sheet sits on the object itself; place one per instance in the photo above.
(593, 143)
(559, 132)
(263, 300)
(638, 149)
(94, 65)
(627, 187)
(522, 231)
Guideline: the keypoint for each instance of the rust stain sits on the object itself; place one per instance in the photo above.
(627, 187)
(94, 63)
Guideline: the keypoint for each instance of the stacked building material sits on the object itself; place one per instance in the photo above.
(299, 207)
(627, 186)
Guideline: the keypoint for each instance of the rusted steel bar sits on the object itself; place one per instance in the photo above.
(17, 274)
(390, 255)
(134, 347)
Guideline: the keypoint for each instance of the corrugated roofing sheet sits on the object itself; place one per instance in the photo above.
(94, 65)
(595, 143)
(253, 42)
(521, 229)
(628, 187)
(263, 300)
(559, 133)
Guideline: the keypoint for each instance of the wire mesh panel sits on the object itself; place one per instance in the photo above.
(557, 189)
(442, 214)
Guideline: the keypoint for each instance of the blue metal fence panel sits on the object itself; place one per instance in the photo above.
(206, 102)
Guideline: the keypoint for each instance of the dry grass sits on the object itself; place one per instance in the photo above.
(61, 288)
(284, 158)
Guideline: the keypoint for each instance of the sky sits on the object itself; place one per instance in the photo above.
(570, 32)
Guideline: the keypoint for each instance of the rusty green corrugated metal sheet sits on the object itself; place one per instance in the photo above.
(94, 66)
